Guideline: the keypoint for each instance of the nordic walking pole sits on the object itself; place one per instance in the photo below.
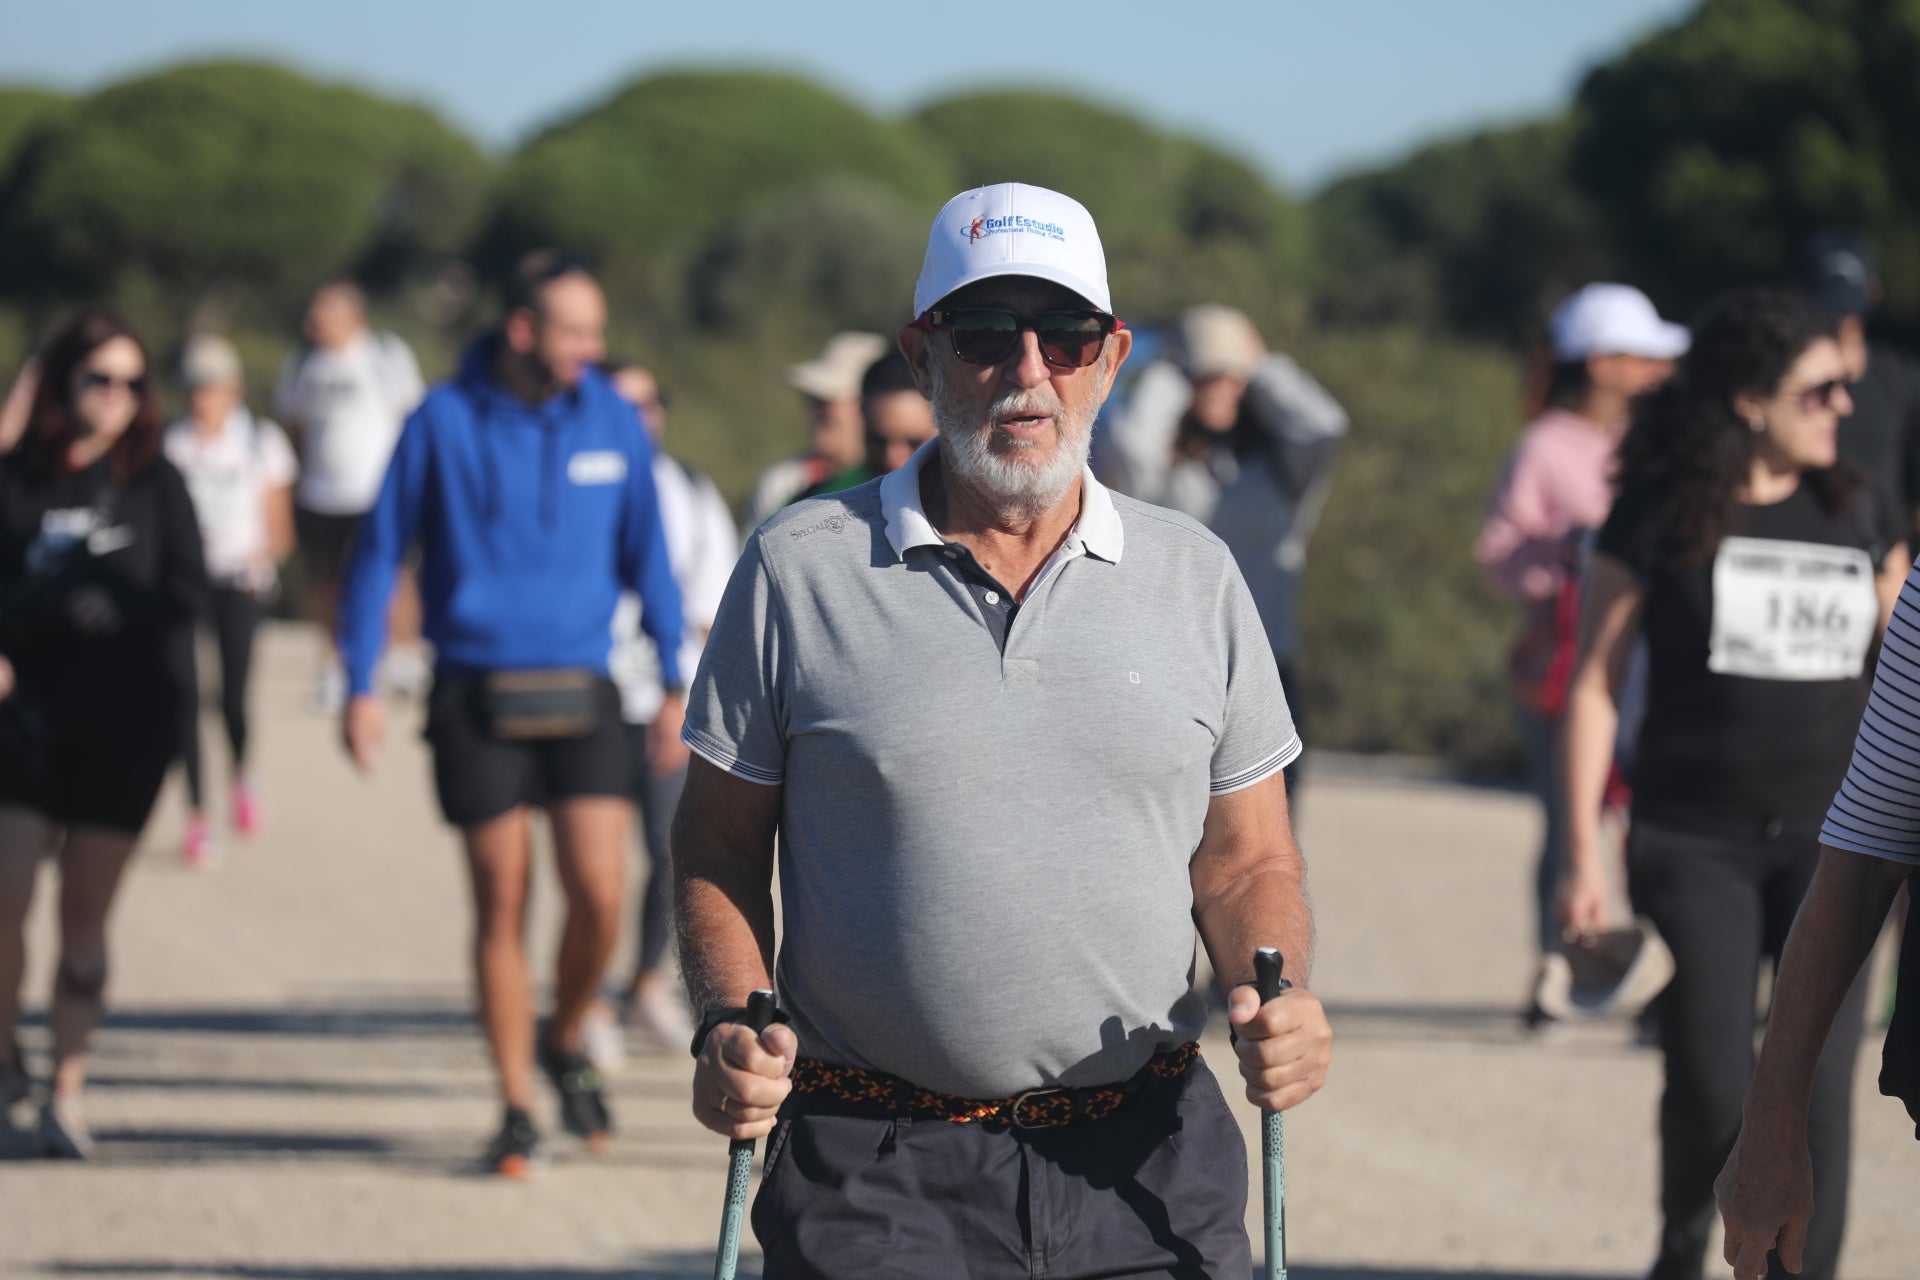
(760, 1007)
(1267, 964)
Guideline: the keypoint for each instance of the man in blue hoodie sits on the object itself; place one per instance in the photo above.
(528, 484)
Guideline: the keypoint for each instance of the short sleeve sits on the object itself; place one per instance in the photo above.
(736, 706)
(1877, 810)
(278, 467)
(1257, 736)
(1631, 533)
(1889, 523)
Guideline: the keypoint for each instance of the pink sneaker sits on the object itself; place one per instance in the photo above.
(247, 814)
(199, 850)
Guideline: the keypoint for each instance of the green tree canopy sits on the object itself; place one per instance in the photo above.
(659, 166)
(235, 173)
(1714, 146)
(1480, 235)
(22, 110)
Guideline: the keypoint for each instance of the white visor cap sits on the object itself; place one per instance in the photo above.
(1012, 229)
(1614, 320)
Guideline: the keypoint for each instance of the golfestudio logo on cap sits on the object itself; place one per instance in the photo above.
(1013, 224)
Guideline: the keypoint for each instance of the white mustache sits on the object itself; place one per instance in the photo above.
(1022, 403)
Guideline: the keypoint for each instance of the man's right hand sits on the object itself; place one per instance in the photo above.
(363, 729)
(740, 1079)
(6, 679)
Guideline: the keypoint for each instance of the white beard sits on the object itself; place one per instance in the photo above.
(1000, 469)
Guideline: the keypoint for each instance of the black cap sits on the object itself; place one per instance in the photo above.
(1835, 269)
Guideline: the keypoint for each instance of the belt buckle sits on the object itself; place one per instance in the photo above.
(1013, 1112)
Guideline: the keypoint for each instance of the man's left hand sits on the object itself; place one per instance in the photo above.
(1765, 1195)
(1284, 1045)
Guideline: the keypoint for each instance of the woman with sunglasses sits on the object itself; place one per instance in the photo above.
(100, 577)
(1760, 571)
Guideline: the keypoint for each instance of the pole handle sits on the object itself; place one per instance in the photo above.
(1268, 965)
(760, 1010)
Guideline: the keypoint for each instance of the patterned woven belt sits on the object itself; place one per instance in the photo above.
(1034, 1109)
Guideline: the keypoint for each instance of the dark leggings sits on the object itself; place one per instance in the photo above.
(1724, 897)
(656, 798)
(235, 617)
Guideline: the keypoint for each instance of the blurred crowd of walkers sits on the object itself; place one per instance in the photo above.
(1706, 529)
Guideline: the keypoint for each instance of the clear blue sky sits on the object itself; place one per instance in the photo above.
(1306, 89)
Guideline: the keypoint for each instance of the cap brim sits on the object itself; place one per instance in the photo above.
(1669, 342)
(1032, 270)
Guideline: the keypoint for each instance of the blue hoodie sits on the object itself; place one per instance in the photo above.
(531, 520)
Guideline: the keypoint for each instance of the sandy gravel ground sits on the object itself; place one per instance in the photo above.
(290, 1085)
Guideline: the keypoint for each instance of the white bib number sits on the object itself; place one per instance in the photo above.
(1791, 610)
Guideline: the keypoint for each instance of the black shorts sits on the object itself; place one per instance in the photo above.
(479, 777)
(106, 781)
(325, 542)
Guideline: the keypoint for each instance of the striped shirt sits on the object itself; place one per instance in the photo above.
(1877, 810)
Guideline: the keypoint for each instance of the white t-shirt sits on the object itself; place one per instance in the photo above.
(702, 546)
(228, 475)
(348, 406)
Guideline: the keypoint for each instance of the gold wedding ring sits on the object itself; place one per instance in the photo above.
(723, 1103)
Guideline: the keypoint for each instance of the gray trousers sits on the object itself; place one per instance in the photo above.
(1157, 1189)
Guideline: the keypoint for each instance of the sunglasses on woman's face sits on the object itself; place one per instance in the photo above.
(1820, 395)
(94, 380)
(991, 335)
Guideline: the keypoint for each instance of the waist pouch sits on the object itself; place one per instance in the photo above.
(559, 703)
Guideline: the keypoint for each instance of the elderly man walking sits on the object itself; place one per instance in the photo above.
(1017, 735)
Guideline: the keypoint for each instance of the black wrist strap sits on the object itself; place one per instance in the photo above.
(721, 1017)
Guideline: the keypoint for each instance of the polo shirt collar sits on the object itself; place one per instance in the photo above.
(1098, 530)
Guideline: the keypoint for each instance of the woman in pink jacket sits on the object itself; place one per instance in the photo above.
(1609, 346)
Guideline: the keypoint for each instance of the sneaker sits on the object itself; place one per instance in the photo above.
(602, 1041)
(14, 1081)
(247, 814)
(658, 1010)
(200, 850)
(63, 1130)
(515, 1150)
(583, 1107)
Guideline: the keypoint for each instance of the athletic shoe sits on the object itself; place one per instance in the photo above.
(63, 1130)
(602, 1042)
(515, 1150)
(583, 1107)
(658, 1010)
(247, 813)
(201, 850)
(14, 1081)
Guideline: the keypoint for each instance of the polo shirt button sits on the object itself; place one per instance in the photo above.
(951, 554)
(993, 597)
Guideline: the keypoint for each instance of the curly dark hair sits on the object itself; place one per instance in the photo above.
(1687, 452)
(52, 425)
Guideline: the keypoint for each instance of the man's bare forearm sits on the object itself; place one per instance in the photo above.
(1832, 936)
(723, 853)
(1264, 906)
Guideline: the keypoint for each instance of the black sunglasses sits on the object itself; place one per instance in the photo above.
(94, 380)
(1820, 394)
(990, 335)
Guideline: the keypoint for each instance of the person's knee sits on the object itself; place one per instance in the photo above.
(81, 978)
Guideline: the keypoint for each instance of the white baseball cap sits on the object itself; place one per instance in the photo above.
(835, 373)
(1614, 320)
(210, 360)
(1012, 229)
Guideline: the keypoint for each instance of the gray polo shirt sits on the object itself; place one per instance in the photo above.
(984, 850)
